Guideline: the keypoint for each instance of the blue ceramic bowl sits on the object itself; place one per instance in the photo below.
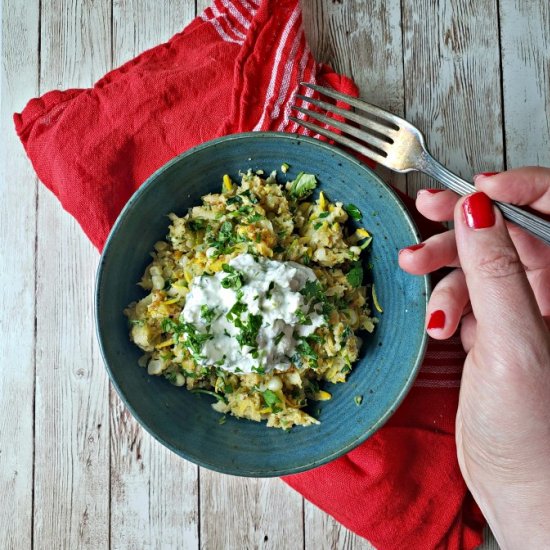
(185, 422)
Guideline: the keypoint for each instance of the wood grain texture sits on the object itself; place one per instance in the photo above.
(19, 80)
(452, 84)
(249, 513)
(71, 414)
(362, 40)
(154, 494)
(100, 481)
(323, 531)
(525, 41)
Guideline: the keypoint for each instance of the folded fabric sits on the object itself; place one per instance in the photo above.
(236, 68)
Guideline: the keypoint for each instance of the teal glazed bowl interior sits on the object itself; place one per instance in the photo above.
(390, 357)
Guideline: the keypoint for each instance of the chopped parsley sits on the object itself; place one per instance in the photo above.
(234, 279)
(208, 313)
(271, 400)
(353, 211)
(303, 319)
(278, 338)
(358, 399)
(355, 275)
(208, 392)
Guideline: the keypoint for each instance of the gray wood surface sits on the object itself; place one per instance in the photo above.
(76, 471)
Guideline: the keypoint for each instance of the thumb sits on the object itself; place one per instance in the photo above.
(501, 297)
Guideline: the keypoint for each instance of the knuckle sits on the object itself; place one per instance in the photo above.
(501, 262)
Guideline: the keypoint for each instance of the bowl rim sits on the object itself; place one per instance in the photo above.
(409, 381)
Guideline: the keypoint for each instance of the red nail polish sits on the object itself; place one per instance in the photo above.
(478, 211)
(486, 174)
(437, 319)
(434, 191)
(413, 247)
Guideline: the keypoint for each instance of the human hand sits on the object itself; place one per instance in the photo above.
(500, 295)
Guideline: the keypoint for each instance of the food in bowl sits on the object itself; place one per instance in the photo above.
(256, 297)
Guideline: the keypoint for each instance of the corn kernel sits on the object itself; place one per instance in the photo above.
(227, 184)
(322, 201)
(363, 233)
(323, 396)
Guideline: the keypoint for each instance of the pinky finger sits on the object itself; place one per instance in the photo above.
(447, 303)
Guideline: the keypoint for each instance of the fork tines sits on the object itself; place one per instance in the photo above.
(376, 130)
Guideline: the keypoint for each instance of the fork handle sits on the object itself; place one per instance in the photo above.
(535, 225)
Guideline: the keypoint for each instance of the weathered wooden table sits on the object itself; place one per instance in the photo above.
(75, 469)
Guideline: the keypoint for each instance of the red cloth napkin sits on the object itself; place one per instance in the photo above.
(237, 68)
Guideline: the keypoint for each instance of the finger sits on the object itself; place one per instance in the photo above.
(497, 283)
(446, 306)
(433, 254)
(468, 328)
(534, 253)
(436, 204)
(524, 186)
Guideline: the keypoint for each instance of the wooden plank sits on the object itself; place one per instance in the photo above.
(154, 493)
(362, 40)
(71, 414)
(323, 531)
(19, 82)
(525, 37)
(249, 513)
(452, 84)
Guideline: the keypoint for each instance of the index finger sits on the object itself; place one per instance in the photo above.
(522, 186)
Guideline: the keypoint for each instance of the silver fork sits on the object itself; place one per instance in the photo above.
(395, 143)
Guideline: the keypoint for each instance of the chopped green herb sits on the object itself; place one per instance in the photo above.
(358, 399)
(249, 331)
(222, 420)
(306, 260)
(353, 211)
(270, 290)
(278, 338)
(285, 167)
(303, 319)
(237, 199)
(208, 313)
(316, 338)
(303, 185)
(255, 218)
(307, 352)
(196, 224)
(323, 215)
(270, 398)
(250, 196)
(355, 275)
(228, 388)
(234, 279)
(317, 225)
(259, 370)
(208, 392)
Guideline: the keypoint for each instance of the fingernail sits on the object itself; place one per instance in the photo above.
(413, 247)
(485, 175)
(478, 211)
(431, 191)
(437, 319)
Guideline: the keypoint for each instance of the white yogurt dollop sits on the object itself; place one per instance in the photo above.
(256, 323)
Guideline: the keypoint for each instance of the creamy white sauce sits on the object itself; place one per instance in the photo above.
(270, 289)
